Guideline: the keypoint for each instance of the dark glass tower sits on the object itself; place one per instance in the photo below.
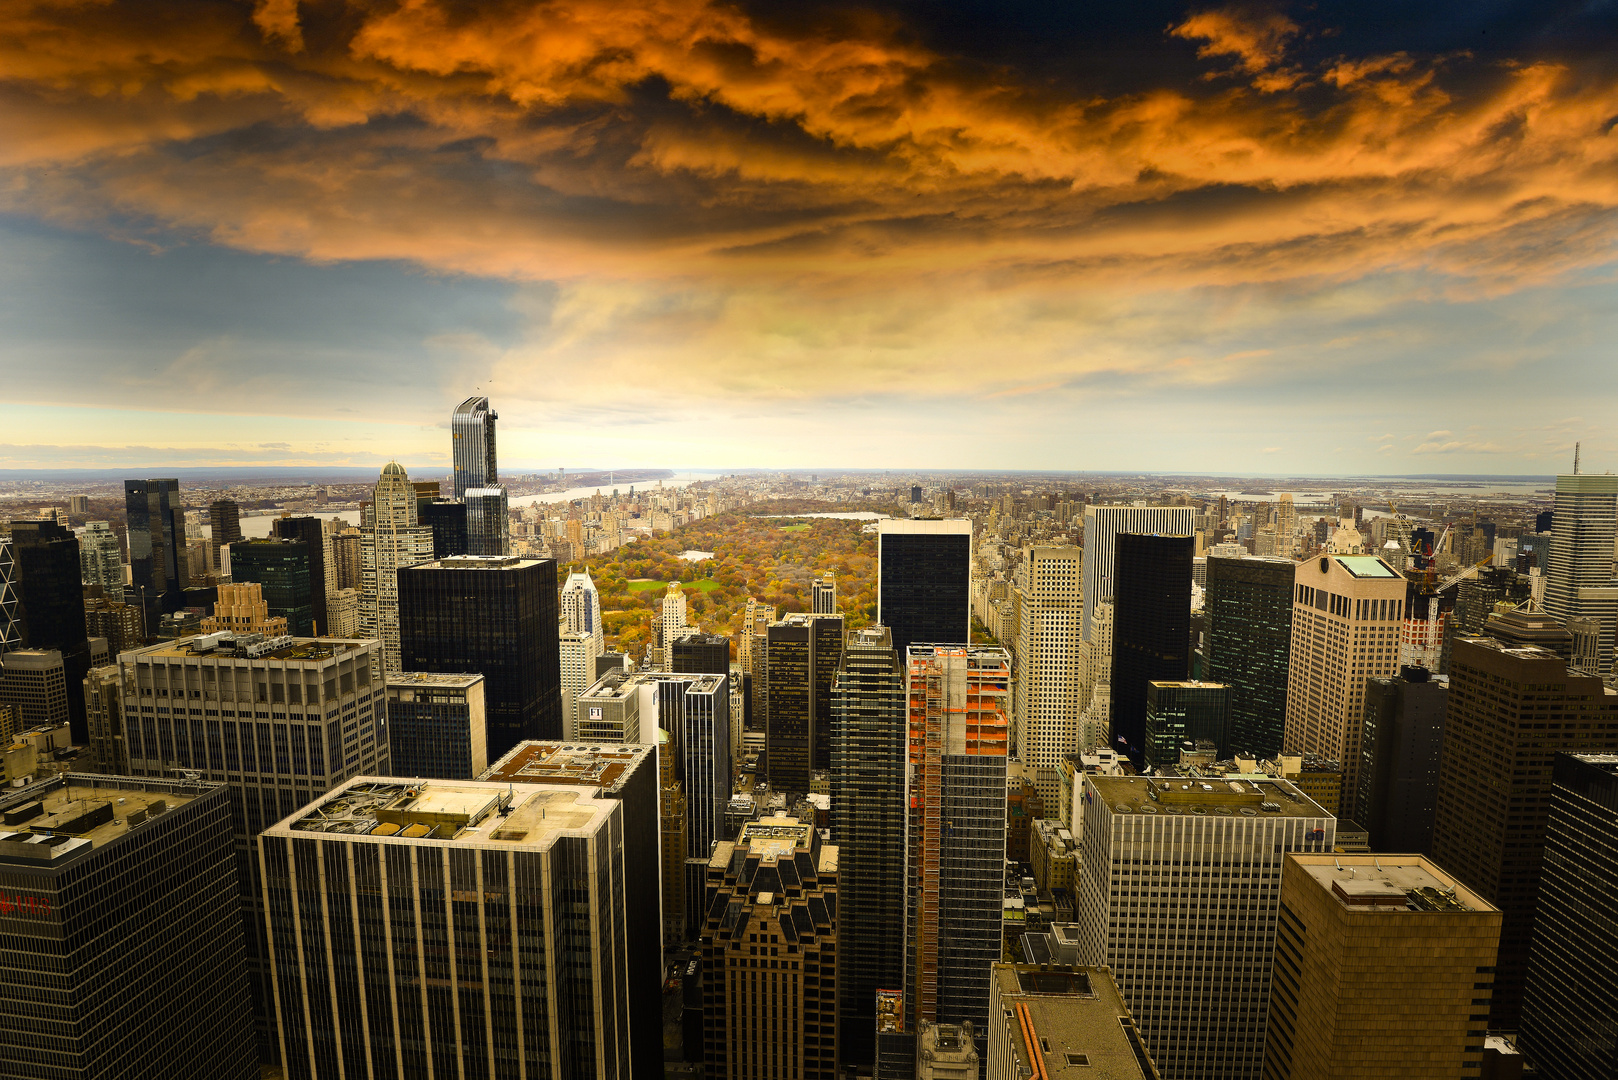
(155, 549)
(52, 603)
(283, 568)
(868, 757)
(790, 692)
(225, 522)
(1400, 751)
(448, 522)
(495, 617)
(1249, 618)
(1572, 992)
(924, 586)
(311, 531)
(1180, 712)
(702, 654)
(123, 950)
(1151, 628)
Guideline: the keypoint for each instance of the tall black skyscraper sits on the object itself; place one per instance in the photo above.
(1151, 627)
(1249, 618)
(789, 655)
(869, 754)
(225, 523)
(311, 531)
(448, 522)
(283, 568)
(123, 947)
(156, 548)
(496, 616)
(1571, 997)
(828, 655)
(702, 654)
(924, 587)
(52, 605)
(1400, 751)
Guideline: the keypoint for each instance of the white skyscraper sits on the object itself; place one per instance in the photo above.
(1580, 581)
(673, 622)
(581, 604)
(390, 538)
(100, 559)
(1102, 524)
(1048, 659)
(581, 642)
(1095, 657)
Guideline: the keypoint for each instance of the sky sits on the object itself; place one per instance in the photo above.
(1325, 238)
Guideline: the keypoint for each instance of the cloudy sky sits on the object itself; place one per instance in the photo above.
(1328, 237)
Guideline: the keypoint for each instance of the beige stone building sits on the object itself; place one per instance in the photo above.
(242, 609)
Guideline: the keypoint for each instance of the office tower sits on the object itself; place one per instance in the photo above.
(1058, 1020)
(317, 544)
(1095, 678)
(1048, 664)
(343, 613)
(1286, 527)
(696, 653)
(924, 581)
(1102, 526)
(156, 533)
(825, 594)
(694, 710)
(1151, 631)
(1399, 753)
(284, 571)
(671, 624)
(769, 954)
(790, 735)
(1476, 599)
(1520, 626)
(576, 656)
(492, 616)
(347, 560)
(473, 449)
(870, 736)
(224, 525)
(1580, 580)
(1185, 712)
(104, 711)
(52, 605)
(1390, 945)
(502, 951)
(34, 683)
(447, 520)
(611, 710)
(959, 699)
(1249, 644)
(488, 525)
(99, 871)
(10, 607)
(255, 714)
(1572, 989)
(674, 839)
(391, 539)
(1511, 710)
(581, 604)
(827, 653)
(101, 559)
(1346, 613)
(1179, 892)
(242, 609)
(437, 726)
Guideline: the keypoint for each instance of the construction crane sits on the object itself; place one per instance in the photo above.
(1469, 572)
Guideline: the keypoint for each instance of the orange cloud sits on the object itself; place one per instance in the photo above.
(1257, 38)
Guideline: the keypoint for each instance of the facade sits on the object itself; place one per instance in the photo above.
(95, 870)
(1511, 711)
(1151, 631)
(1399, 754)
(581, 604)
(1061, 1022)
(492, 616)
(347, 559)
(825, 594)
(34, 683)
(868, 763)
(790, 702)
(1346, 615)
(104, 709)
(1249, 645)
(52, 603)
(924, 581)
(101, 559)
(317, 543)
(769, 954)
(611, 710)
(671, 623)
(1179, 893)
(447, 520)
(437, 726)
(1102, 526)
(1178, 712)
(10, 607)
(1381, 965)
(959, 699)
(391, 538)
(673, 836)
(1048, 664)
(501, 947)
(827, 632)
(284, 568)
(1580, 582)
(488, 524)
(696, 653)
(580, 641)
(473, 446)
(343, 611)
(1572, 989)
(242, 609)
(156, 520)
(121, 624)
(224, 525)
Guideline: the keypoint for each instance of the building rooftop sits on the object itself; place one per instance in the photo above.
(1079, 1015)
(1247, 797)
(432, 678)
(574, 764)
(777, 837)
(227, 646)
(1389, 883)
(479, 562)
(1366, 566)
(51, 822)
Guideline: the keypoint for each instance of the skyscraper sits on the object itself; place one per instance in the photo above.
(790, 659)
(1387, 944)
(1511, 710)
(52, 605)
(1346, 614)
(580, 641)
(104, 708)
(581, 604)
(156, 519)
(1580, 581)
(312, 532)
(672, 623)
(97, 871)
(1184, 712)
(1102, 524)
(120, 623)
(284, 570)
(825, 594)
(447, 520)
(101, 559)
(391, 538)
(1249, 646)
(10, 606)
(437, 726)
(696, 653)
(492, 616)
(1151, 632)
(1571, 995)
(242, 609)
(870, 737)
(1286, 527)
(1048, 664)
(224, 525)
(1399, 753)
(959, 704)
(1179, 893)
(473, 448)
(924, 580)
(488, 526)
(827, 631)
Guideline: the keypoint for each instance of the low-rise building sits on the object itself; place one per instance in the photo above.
(1061, 1022)
(436, 725)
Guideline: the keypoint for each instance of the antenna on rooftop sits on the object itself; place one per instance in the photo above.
(1575, 459)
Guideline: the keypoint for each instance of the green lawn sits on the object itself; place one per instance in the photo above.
(794, 528)
(648, 584)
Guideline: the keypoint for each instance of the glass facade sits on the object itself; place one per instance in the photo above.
(311, 531)
(154, 547)
(924, 590)
(1249, 647)
(448, 522)
(283, 568)
(1178, 712)
(52, 605)
(1151, 628)
(789, 693)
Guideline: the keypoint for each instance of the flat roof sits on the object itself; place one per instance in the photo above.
(1247, 797)
(477, 562)
(1390, 883)
(80, 812)
(1079, 1013)
(300, 648)
(1366, 566)
(576, 764)
(432, 678)
(776, 837)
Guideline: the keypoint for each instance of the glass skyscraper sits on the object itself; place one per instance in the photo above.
(283, 568)
(1249, 616)
(156, 521)
(924, 581)
(473, 450)
(52, 605)
(1151, 630)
